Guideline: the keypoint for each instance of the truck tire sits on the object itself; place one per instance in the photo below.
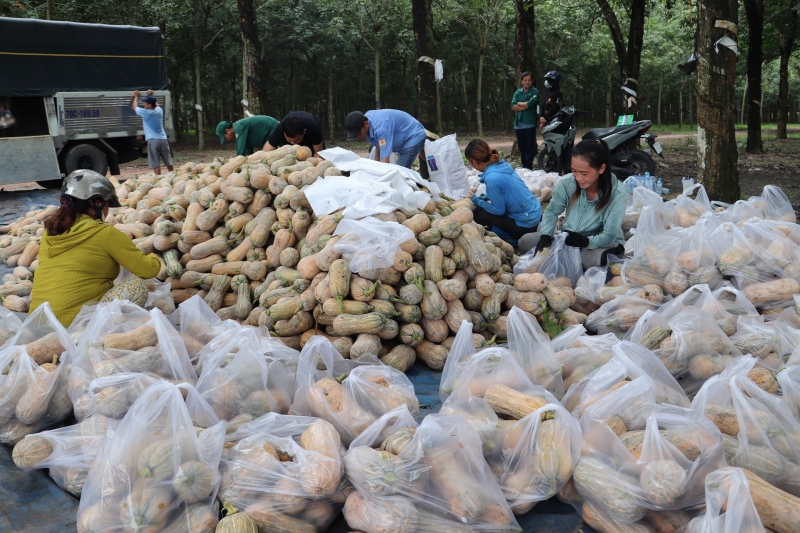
(85, 156)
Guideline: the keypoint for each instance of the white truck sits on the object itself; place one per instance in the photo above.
(69, 87)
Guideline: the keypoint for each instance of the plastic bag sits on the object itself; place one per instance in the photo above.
(446, 167)
(695, 259)
(563, 261)
(285, 470)
(747, 262)
(72, 451)
(121, 338)
(687, 209)
(9, 324)
(695, 348)
(237, 380)
(653, 261)
(370, 243)
(619, 315)
(774, 204)
(776, 249)
(585, 355)
(531, 347)
(640, 198)
(439, 481)
(739, 212)
(159, 296)
(789, 380)
(351, 395)
(160, 469)
(112, 396)
(728, 489)
(725, 304)
(759, 430)
(35, 364)
(629, 362)
(564, 339)
(199, 325)
(766, 342)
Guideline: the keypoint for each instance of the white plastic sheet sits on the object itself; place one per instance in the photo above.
(370, 243)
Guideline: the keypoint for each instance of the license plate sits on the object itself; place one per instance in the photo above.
(657, 147)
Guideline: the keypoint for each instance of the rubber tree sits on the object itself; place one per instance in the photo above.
(201, 14)
(717, 155)
(252, 79)
(754, 10)
(480, 18)
(525, 38)
(629, 55)
(422, 22)
(787, 35)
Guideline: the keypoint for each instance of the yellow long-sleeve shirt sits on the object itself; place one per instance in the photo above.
(79, 266)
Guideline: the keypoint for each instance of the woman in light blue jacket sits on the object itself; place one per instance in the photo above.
(595, 202)
(508, 205)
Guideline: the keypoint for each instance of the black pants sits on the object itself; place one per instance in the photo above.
(526, 141)
(505, 223)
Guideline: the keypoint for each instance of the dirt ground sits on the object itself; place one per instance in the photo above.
(778, 165)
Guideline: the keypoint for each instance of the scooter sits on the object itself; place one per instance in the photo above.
(627, 161)
(559, 138)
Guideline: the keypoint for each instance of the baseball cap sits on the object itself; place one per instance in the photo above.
(221, 127)
(150, 100)
(353, 124)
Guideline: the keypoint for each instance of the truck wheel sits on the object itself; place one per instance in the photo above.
(86, 156)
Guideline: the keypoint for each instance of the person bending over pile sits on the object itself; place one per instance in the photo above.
(297, 127)
(508, 205)
(80, 255)
(595, 201)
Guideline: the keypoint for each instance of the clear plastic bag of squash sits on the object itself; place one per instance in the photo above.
(729, 505)
(584, 355)
(238, 380)
(653, 248)
(774, 205)
(427, 479)
(349, 394)
(199, 325)
(112, 396)
(160, 469)
(68, 452)
(9, 324)
(789, 380)
(124, 338)
(531, 347)
(629, 363)
(285, 472)
(34, 373)
(696, 349)
(619, 315)
(759, 431)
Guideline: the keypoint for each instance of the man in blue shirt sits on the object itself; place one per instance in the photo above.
(153, 122)
(389, 130)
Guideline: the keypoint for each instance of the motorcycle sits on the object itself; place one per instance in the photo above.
(625, 160)
(559, 138)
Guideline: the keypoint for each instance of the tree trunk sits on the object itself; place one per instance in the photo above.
(464, 95)
(660, 85)
(422, 20)
(525, 38)
(377, 73)
(331, 118)
(786, 45)
(49, 9)
(717, 156)
(251, 57)
(478, 113)
(629, 56)
(754, 10)
(744, 102)
(198, 97)
(609, 99)
(680, 106)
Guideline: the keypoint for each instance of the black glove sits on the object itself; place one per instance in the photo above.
(576, 239)
(618, 250)
(544, 242)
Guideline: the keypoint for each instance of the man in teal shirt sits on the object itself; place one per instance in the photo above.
(251, 133)
(525, 103)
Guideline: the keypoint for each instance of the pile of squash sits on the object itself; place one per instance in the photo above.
(242, 235)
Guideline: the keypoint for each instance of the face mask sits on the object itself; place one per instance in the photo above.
(546, 84)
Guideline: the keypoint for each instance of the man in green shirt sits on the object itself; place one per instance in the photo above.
(525, 104)
(251, 133)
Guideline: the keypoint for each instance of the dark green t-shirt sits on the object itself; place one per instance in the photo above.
(252, 133)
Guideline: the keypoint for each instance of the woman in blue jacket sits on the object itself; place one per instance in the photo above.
(508, 204)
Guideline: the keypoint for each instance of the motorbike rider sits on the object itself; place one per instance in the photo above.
(595, 202)
(551, 101)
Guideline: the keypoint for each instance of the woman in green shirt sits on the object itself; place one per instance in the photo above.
(525, 103)
(595, 202)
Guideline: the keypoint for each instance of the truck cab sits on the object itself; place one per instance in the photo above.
(70, 95)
